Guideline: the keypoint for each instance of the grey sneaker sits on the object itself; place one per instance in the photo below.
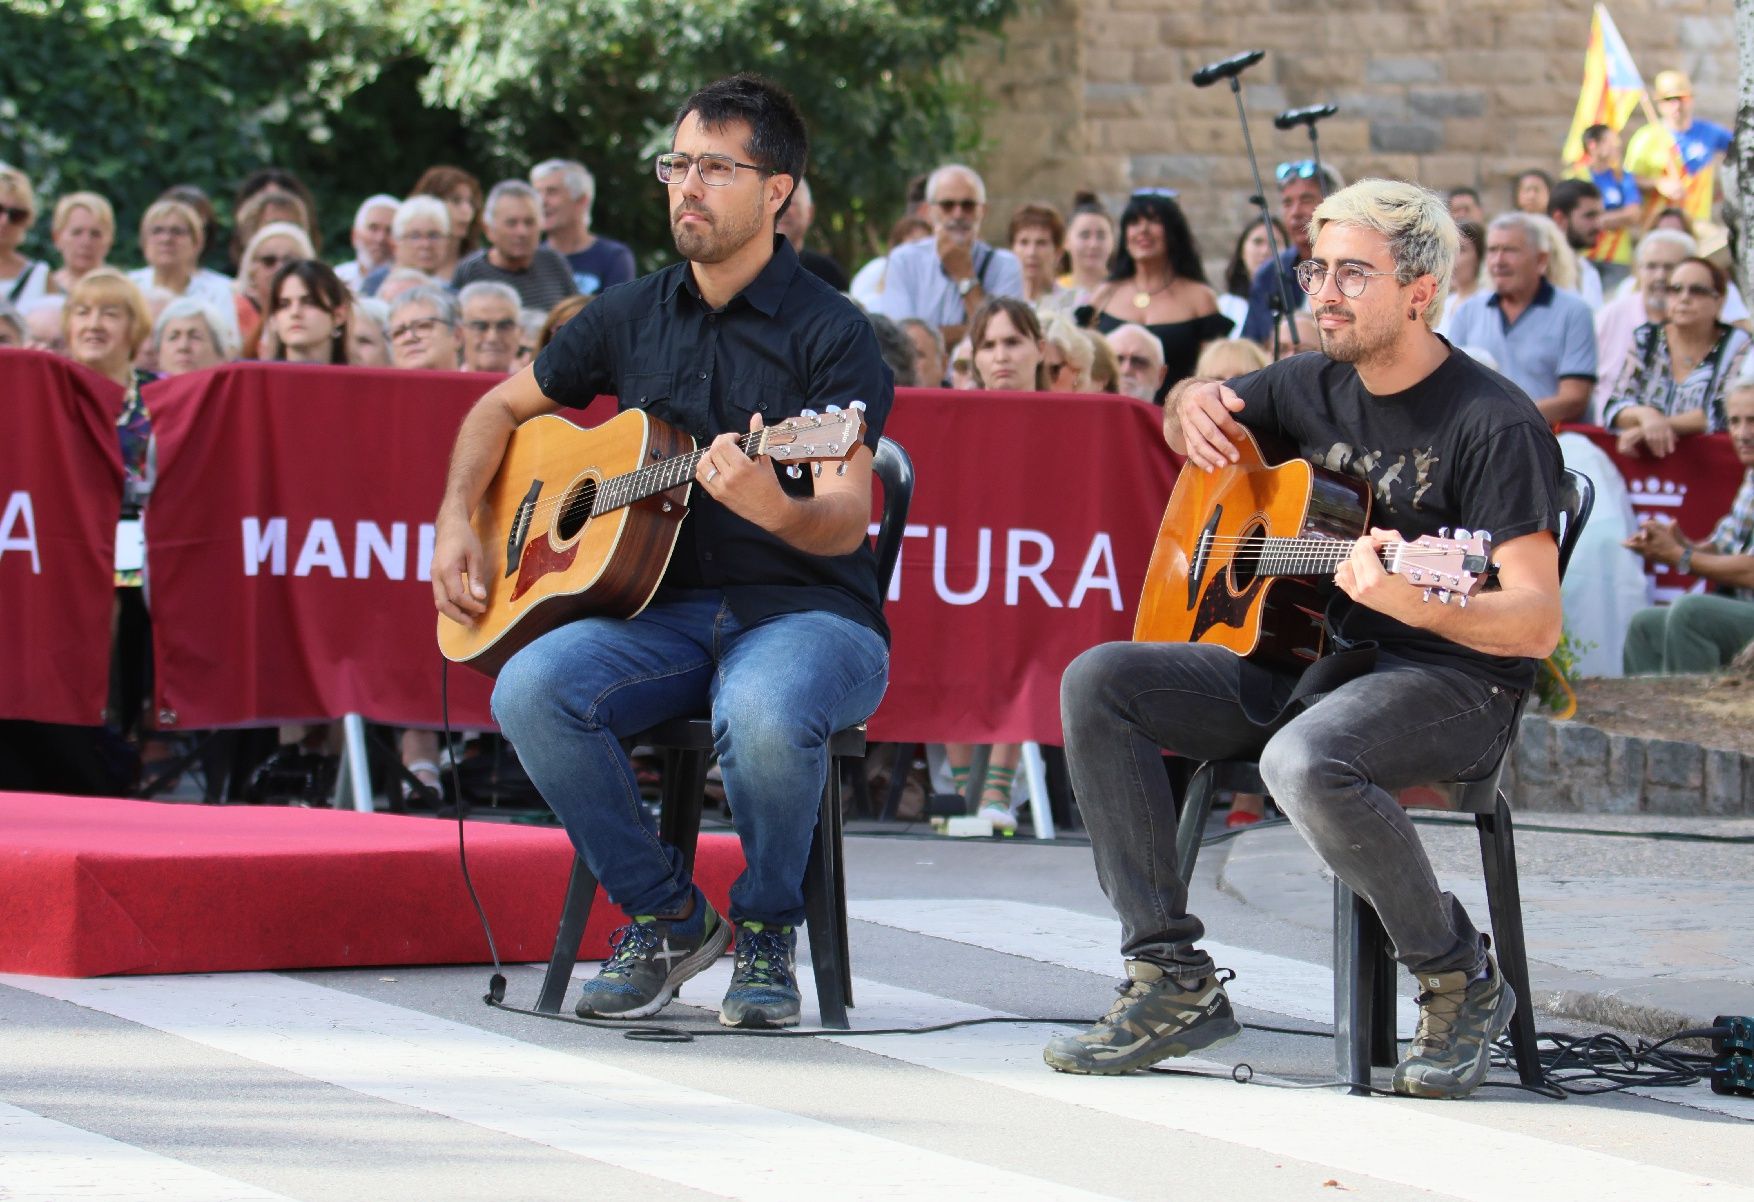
(1157, 1016)
(652, 956)
(764, 986)
(1458, 1021)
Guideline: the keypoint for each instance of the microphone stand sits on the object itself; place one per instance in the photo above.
(1260, 199)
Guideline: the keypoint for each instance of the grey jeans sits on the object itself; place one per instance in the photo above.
(1334, 769)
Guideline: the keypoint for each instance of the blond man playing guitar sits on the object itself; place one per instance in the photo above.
(768, 614)
(1430, 439)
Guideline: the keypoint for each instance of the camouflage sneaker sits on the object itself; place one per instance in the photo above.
(1459, 1020)
(651, 958)
(764, 989)
(1156, 1017)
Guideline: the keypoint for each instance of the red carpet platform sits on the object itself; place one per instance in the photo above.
(93, 886)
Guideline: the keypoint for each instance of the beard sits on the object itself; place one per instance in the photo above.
(723, 235)
(1354, 342)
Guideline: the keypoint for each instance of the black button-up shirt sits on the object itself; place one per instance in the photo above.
(787, 342)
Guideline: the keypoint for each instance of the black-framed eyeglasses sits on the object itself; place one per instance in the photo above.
(1702, 291)
(716, 170)
(953, 206)
(1349, 278)
(420, 327)
(1295, 169)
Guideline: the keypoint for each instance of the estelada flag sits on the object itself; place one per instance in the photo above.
(1612, 86)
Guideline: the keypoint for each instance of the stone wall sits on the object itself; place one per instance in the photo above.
(1570, 766)
(1095, 93)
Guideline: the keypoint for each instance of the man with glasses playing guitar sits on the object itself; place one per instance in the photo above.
(1422, 438)
(768, 614)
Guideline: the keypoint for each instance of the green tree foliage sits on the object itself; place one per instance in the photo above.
(129, 96)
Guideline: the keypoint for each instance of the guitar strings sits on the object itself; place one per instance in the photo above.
(683, 465)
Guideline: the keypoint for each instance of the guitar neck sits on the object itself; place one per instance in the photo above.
(1306, 556)
(630, 487)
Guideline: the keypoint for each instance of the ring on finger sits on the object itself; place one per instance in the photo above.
(712, 473)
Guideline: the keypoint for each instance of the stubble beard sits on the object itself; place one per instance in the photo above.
(1356, 344)
(723, 236)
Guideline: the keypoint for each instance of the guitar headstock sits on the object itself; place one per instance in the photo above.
(1450, 564)
(834, 434)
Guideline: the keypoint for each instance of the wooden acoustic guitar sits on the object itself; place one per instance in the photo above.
(580, 522)
(1246, 554)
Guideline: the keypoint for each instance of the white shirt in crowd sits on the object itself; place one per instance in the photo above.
(915, 284)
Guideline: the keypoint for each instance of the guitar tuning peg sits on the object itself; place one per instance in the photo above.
(794, 471)
(859, 405)
(806, 413)
(840, 469)
(816, 470)
(1443, 596)
(1462, 601)
(1443, 532)
(1427, 595)
(834, 408)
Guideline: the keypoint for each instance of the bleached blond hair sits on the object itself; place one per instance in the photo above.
(1421, 234)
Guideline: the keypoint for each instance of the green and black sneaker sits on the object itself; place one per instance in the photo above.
(652, 956)
(1459, 1020)
(1157, 1016)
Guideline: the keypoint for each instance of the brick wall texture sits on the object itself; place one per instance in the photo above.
(1095, 93)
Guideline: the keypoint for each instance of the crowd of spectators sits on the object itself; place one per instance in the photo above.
(1602, 293)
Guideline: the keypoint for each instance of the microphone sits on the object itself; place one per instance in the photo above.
(1236, 64)
(1309, 114)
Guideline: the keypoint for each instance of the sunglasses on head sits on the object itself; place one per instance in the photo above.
(1165, 193)
(1296, 169)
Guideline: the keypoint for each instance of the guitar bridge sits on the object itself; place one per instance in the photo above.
(520, 528)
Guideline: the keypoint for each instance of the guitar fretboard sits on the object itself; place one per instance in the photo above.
(1298, 556)
(637, 485)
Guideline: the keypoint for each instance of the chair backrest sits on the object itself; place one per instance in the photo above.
(1577, 496)
(896, 471)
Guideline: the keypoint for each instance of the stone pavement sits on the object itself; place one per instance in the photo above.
(1641, 934)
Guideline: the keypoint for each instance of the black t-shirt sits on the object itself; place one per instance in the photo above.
(786, 343)
(1463, 448)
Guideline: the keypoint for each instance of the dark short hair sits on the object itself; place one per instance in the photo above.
(777, 139)
(1038, 216)
(1465, 190)
(1596, 133)
(1516, 181)
(1720, 279)
(1475, 233)
(1184, 252)
(1567, 194)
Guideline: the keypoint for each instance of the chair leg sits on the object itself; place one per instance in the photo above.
(679, 811)
(1385, 1051)
(1191, 827)
(825, 912)
(1354, 966)
(1505, 903)
(575, 912)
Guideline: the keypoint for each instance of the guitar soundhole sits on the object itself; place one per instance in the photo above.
(575, 511)
(1245, 561)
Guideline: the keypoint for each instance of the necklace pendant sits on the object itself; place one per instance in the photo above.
(1141, 300)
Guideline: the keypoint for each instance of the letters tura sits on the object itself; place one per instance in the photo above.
(270, 549)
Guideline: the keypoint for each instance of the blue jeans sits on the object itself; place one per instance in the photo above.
(1334, 769)
(776, 691)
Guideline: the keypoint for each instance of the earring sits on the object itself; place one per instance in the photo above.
(1412, 314)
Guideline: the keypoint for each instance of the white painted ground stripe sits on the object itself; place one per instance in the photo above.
(44, 1160)
(1052, 935)
(643, 1124)
(1381, 1138)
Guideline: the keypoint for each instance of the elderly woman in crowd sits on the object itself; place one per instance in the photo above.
(1066, 357)
(106, 321)
(421, 241)
(272, 245)
(308, 310)
(21, 279)
(368, 334)
(171, 239)
(1090, 244)
(191, 335)
(426, 330)
(1250, 252)
(1679, 370)
(1038, 238)
(929, 357)
(83, 230)
(462, 197)
(1157, 281)
(271, 206)
(1105, 367)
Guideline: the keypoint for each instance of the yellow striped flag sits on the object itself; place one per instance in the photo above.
(1612, 86)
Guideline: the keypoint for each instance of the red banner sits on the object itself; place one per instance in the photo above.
(60, 495)
(288, 543)
(1694, 487)
(1032, 525)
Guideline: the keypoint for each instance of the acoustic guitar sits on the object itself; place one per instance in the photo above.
(1245, 557)
(581, 522)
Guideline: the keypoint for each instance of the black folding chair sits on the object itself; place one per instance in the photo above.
(687, 747)
(1364, 969)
